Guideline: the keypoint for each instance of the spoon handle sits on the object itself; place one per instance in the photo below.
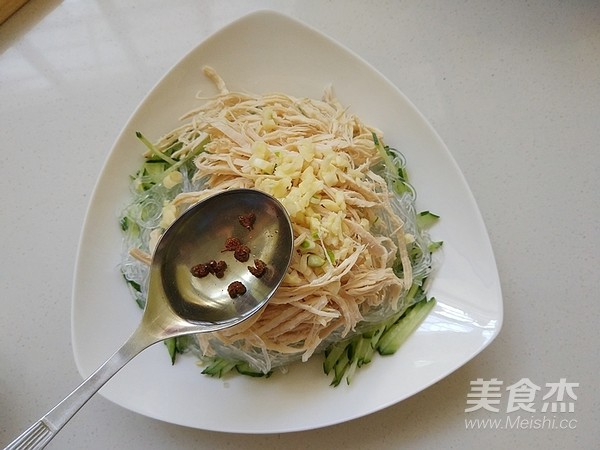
(41, 432)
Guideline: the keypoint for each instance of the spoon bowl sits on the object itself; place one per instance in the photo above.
(179, 302)
(182, 300)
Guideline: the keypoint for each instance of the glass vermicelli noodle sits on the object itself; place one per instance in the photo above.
(354, 234)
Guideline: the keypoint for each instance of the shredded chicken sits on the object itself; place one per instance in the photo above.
(317, 159)
(141, 256)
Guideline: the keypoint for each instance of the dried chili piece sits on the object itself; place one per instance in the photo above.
(247, 220)
(231, 243)
(212, 265)
(215, 267)
(235, 289)
(200, 270)
(220, 268)
(259, 269)
(242, 253)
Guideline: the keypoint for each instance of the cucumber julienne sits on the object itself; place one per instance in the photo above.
(343, 358)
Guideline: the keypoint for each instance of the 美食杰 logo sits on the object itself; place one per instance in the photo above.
(550, 406)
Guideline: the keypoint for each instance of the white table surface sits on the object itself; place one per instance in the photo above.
(513, 88)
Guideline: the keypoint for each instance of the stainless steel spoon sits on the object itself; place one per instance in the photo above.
(179, 303)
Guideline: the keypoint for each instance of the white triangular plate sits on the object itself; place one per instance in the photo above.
(265, 52)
